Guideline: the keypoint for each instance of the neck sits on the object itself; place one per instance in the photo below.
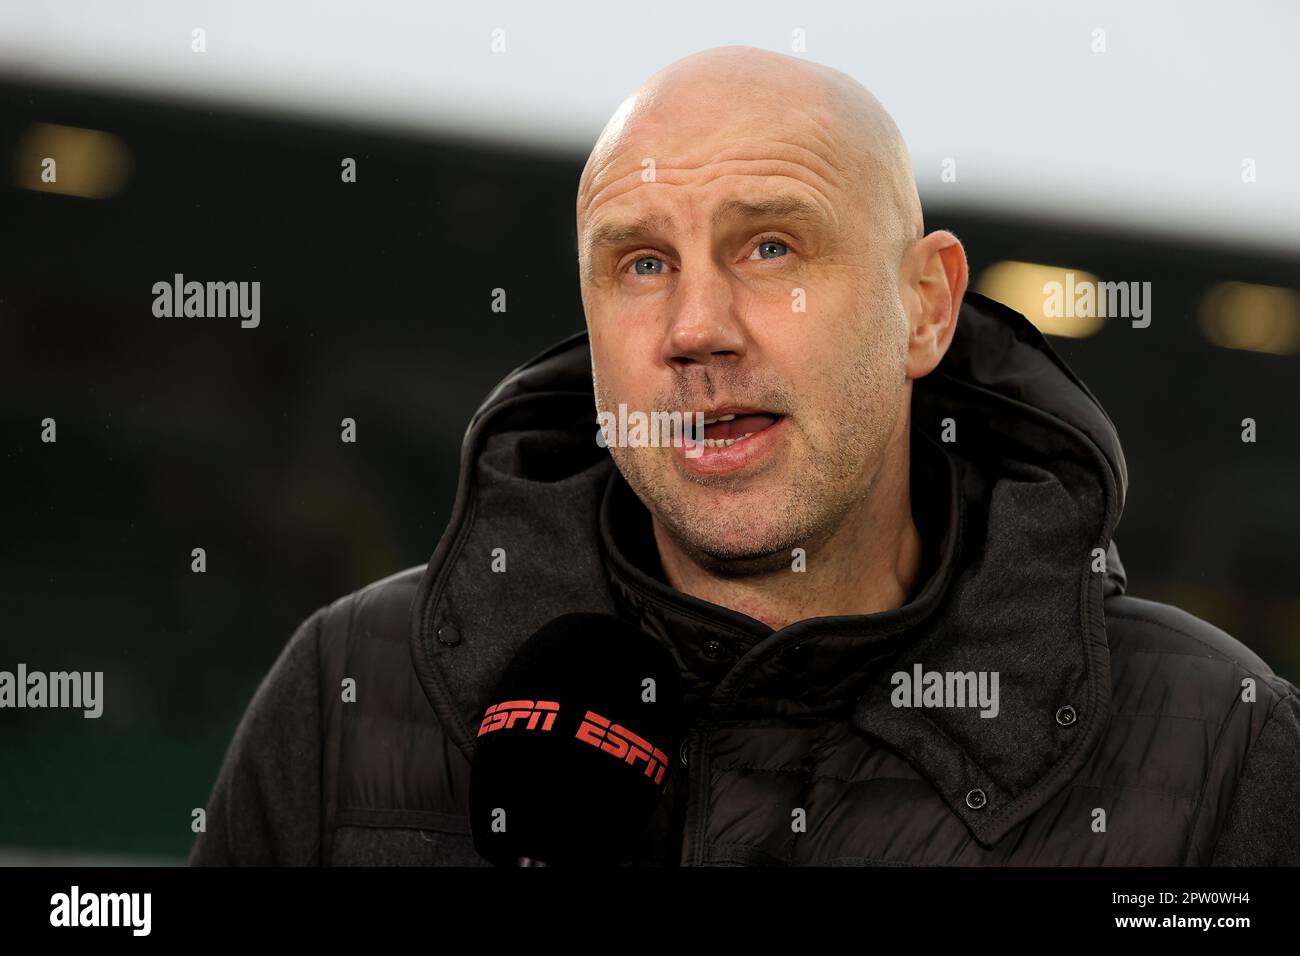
(869, 561)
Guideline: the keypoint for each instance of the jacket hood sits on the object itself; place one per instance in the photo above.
(1027, 498)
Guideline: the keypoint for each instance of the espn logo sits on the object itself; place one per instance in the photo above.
(622, 743)
(507, 713)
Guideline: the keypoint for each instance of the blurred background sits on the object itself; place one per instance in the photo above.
(1138, 145)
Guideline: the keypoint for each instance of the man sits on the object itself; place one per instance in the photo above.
(888, 578)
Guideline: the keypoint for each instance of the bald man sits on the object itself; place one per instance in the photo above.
(880, 557)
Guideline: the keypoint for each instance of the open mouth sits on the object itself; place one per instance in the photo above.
(725, 430)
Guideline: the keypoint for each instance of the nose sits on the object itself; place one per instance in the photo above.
(704, 327)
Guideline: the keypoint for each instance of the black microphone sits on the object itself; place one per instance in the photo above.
(576, 744)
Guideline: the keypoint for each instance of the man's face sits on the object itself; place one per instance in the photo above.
(744, 271)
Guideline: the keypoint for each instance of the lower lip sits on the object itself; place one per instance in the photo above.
(728, 458)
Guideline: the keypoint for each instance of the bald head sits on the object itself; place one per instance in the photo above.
(742, 94)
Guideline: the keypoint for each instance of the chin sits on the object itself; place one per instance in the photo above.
(751, 545)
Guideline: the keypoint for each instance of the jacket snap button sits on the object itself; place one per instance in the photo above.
(976, 799)
(714, 650)
(447, 634)
(1066, 716)
(682, 752)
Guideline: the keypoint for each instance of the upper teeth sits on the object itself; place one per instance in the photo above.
(720, 418)
(724, 442)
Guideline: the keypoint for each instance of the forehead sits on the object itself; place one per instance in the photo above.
(788, 166)
(699, 117)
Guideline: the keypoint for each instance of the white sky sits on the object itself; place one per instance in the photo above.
(1150, 134)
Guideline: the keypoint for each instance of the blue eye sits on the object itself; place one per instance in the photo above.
(639, 271)
(767, 245)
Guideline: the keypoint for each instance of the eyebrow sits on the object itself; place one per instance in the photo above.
(790, 208)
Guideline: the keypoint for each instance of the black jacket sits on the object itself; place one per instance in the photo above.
(1127, 732)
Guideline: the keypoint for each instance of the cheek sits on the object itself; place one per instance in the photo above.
(616, 379)
(814, 350)
(850, 390)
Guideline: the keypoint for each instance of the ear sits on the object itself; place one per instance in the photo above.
(933, 282)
